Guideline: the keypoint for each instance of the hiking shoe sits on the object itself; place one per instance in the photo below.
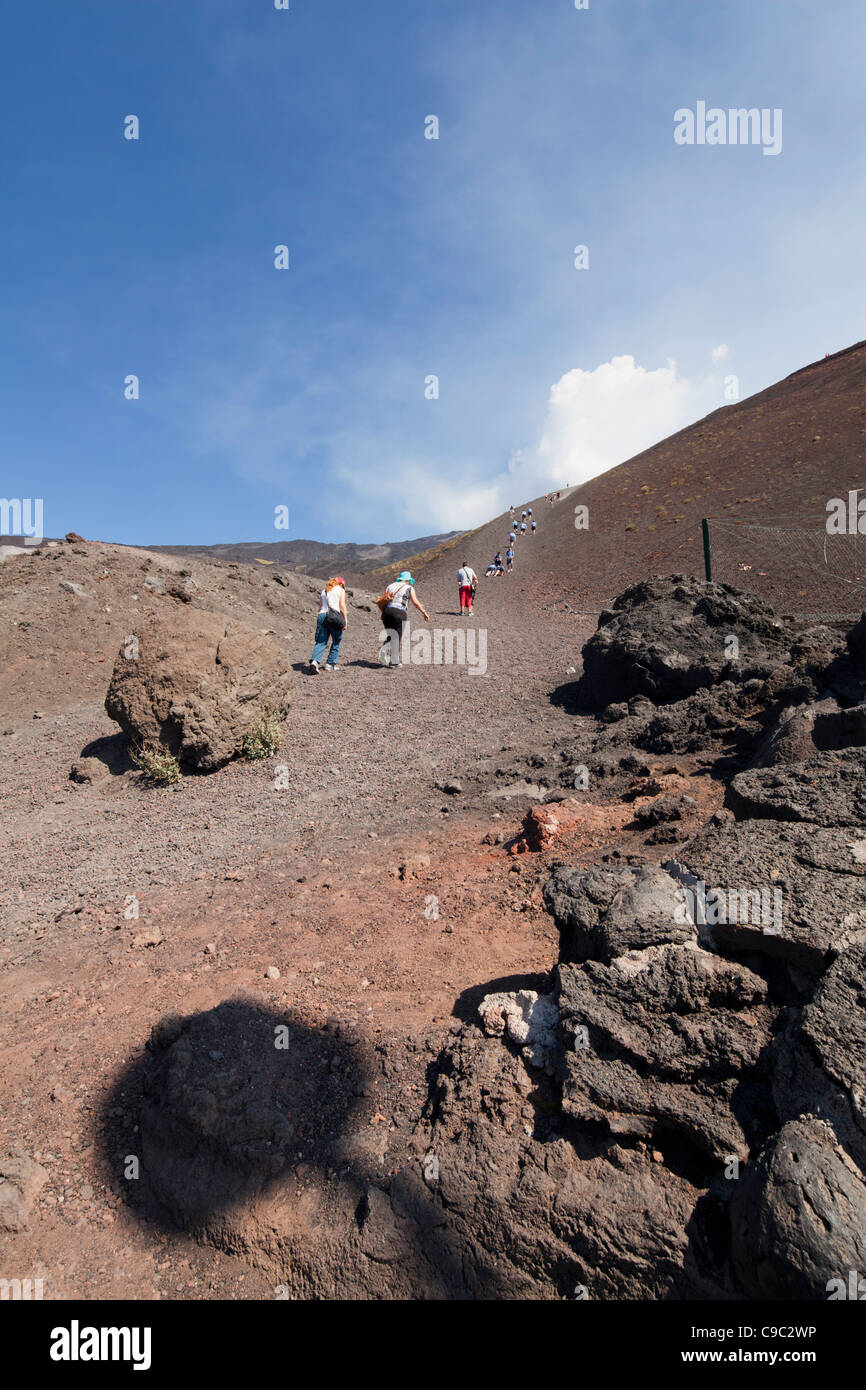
(314, 667)
(330, 668)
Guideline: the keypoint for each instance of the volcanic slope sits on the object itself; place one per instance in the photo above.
(771, 461)
(378, 889)
(356, 891)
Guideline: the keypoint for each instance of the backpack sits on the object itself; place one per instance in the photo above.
(385, 600)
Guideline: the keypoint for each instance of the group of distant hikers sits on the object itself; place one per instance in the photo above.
(527, 520)
(332, 618)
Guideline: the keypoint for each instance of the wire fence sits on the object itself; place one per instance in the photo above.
(803, 572)
(570, 605)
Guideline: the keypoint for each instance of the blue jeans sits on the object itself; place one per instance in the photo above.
(323, 632)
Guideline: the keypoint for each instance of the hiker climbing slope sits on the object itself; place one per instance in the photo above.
(468, 582)
(331, 622)
(393, 606)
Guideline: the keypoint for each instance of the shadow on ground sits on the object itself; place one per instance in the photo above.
(466, 1006)
(256, 1135)
(113, 751)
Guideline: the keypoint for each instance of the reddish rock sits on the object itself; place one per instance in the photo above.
(544, 824)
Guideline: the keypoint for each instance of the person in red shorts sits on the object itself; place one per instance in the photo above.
(467, 580)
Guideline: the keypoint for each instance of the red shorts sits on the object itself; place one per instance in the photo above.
(465, 595)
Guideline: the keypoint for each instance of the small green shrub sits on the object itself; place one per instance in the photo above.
(157, 764)
(264, 738)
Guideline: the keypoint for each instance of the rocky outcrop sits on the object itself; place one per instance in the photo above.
(603, 913)
(798, 1216)
(794, 892)
(799, 733)
(723, 713)
(670, 1039)
(834, 1027)
(195, 684)
(538, 1208)
(666, 638)
(822, 1063)
(829, 789)
(711, 1009)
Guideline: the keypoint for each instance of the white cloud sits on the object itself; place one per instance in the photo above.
(598, 419)
(594, 420)
(421, 498)
(719, 354)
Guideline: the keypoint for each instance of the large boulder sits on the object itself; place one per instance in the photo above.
(828, 789)
(793, 891)
(603, 913)
(196, 685)
(670, 1039)
(669, 637)
(798, 1217)
(798, 734)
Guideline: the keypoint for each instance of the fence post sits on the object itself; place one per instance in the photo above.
(708, 568)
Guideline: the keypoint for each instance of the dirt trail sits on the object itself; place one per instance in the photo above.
(363, 882)
(365, 750)
(387, 904)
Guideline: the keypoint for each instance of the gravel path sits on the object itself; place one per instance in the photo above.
(366, 749)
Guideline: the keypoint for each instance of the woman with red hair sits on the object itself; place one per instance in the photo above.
(331, 623)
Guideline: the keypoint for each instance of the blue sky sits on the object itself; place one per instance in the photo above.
(409, 257)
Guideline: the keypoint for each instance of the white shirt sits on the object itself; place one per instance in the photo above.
(466, 575)
(330, 599)
(399, 594)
